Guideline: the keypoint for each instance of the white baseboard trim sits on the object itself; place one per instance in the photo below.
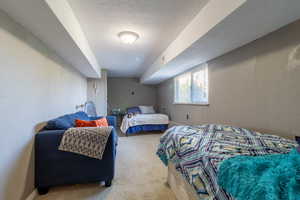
(173, 123)
(32, 196)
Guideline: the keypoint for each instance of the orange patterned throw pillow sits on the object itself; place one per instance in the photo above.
(101, 122)
(94, 123)
(83, 123)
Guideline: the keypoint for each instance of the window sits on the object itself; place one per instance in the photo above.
(192, 87)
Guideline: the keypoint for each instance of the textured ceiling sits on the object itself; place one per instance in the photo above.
(158, 22)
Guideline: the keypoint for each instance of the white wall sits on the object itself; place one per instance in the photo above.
(120, 93)
(36, 85)
(256, 86)
(97, 92)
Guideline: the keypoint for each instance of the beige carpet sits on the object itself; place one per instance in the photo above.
(140, 175)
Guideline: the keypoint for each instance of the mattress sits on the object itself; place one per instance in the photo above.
(197, 151)
(147, 128)
(143, 119)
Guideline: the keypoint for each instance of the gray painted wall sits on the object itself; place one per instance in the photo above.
(256, 86)
(36, 85)
(97, 92)
(120, 89)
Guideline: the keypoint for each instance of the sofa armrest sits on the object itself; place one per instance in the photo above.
(55, 167)
(48, 138)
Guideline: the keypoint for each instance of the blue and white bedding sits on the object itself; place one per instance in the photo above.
(143, 119)
(197, 151)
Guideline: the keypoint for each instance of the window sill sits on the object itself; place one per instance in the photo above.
(193, 104)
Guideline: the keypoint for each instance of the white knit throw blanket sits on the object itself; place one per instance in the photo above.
(87, 141)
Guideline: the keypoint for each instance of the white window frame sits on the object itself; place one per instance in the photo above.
(192, 85)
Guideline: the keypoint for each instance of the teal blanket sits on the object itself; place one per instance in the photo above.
(269, 177)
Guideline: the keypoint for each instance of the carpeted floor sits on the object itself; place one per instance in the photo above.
(140, 175)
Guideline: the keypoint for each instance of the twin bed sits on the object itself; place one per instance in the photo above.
(194, 154)
(202, 160)
(143, 119)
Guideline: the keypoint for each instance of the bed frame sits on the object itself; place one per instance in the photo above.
(146, 128)
(181, 188)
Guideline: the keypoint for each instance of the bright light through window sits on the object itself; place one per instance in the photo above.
(192, 87)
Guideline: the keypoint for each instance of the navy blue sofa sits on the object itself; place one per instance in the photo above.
(54, 167)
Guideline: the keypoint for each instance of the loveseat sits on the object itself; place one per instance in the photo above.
(54, 167)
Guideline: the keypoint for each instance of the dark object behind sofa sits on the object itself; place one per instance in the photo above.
(54, 167)
(134, 110)
(298, 140)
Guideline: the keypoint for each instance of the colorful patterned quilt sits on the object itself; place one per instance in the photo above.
(197, 152)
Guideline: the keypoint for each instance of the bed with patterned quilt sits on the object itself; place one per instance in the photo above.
(195, 152)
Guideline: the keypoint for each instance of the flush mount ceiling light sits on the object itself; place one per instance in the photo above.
(128, 37)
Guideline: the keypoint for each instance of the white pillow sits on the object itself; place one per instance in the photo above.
(147, 109)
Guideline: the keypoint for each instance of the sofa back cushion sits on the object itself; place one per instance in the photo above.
(79, 115)
(66, 121)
